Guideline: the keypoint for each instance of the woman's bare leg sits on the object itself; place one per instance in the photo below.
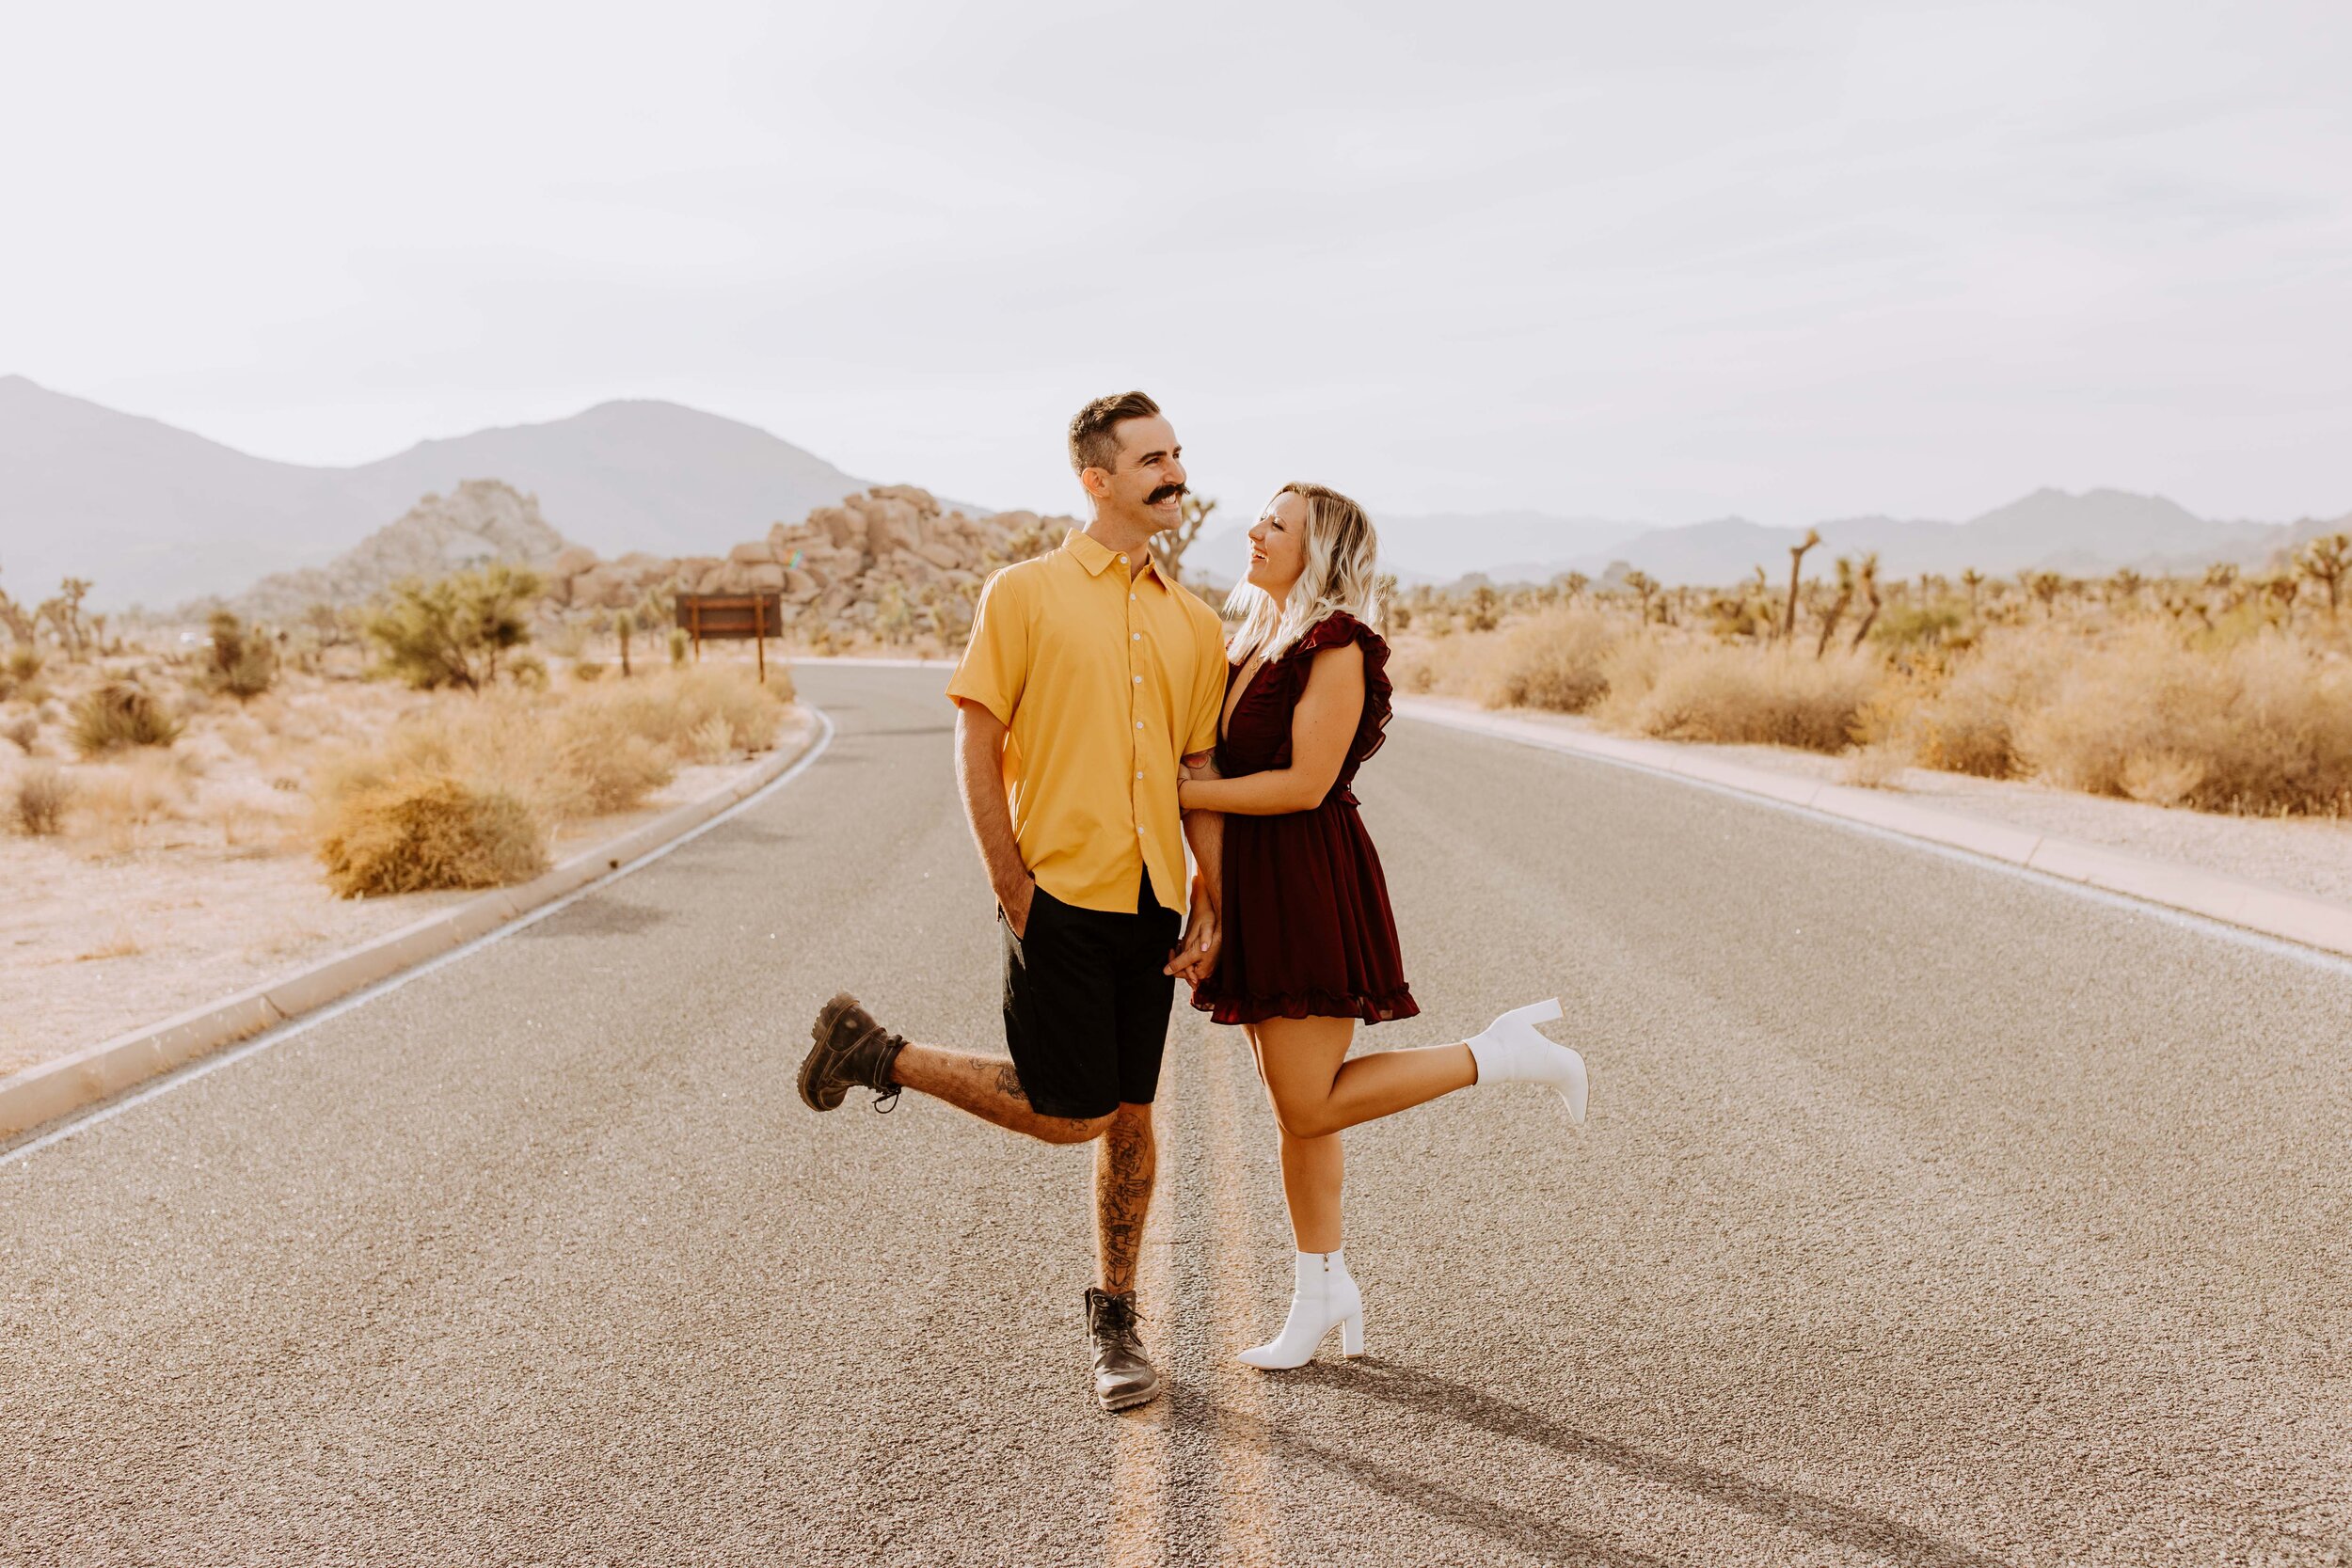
(1316, 1092)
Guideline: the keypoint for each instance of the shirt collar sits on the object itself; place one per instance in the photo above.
(1096, 556)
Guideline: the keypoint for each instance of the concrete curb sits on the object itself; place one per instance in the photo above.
(2251, 906)
(45, 1092)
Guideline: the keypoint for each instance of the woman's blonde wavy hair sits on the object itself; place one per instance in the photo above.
(1343, 558)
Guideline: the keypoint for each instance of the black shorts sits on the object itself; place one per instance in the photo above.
(1086, 1006)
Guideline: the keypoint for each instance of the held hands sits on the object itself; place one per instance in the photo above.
(1203, 938)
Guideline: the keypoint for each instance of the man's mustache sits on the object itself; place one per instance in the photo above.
(1165, 493)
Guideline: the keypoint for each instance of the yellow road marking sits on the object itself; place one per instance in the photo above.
(1141, 1446)
(1243, 1471)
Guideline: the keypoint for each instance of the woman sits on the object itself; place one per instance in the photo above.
(1309, 946)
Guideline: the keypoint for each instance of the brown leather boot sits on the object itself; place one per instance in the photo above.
(850, 1050)
(1123, 1377)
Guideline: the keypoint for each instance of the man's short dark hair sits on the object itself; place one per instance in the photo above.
(1095, 434)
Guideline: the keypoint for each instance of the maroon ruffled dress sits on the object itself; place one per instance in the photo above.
(1308, 929)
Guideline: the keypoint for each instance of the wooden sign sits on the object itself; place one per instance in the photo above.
(730, 617)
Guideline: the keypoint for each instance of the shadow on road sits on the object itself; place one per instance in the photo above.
(1543, 1537)
(606, 916)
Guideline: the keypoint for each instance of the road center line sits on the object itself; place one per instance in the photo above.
(1243, 1472)
(1142, 1457)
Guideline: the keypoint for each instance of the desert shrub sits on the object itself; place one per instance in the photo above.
(2261, 727)
(115, 801)
(241, 660)
(587, 669)
(119, 714)
(1971, 723)
(1447, 665)
(38, 798)
(421, 833)
(1919, 623)
(453, 631)
(680, 646)
(1732, 694)
(1552, 661)
(603, 765)
(25, 664)
(20, 732)
(710, 742)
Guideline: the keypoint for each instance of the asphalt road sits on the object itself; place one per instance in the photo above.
(1927, 1215)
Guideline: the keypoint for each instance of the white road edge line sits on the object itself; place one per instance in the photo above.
(308, 1022)
(2187, 919)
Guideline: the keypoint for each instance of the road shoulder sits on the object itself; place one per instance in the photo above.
(2263, 906)
(50, 1090)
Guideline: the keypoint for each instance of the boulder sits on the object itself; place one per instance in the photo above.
(604, 587)
(925, 505)
(571, 561)
(758, 552)
(841, 526)
(764, 576)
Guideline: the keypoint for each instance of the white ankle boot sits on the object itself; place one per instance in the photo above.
(1323, 1296)
(1511, 1052)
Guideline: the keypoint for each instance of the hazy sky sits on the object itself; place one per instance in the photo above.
(1658, 262)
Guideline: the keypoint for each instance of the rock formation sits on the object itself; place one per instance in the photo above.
(887, 566)
(481, 521)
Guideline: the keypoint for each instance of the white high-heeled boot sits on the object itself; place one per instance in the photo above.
(1323, 1296)
(1511, 1052)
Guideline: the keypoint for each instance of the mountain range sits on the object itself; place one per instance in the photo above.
(2089, 533)
(157, 516)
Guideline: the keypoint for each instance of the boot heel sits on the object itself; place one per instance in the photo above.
(1352, 1334)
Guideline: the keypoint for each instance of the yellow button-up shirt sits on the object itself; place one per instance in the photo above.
(1106, 676)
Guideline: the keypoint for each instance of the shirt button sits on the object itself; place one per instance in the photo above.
(1139, 636)
(1138, 680)
(1122, 558)
(1138, 723)
(1138, 775)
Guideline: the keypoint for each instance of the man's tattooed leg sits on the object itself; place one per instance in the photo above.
(1124, 1164)
(990, 1088)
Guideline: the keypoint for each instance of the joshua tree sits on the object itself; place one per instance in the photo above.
(2222, 578)
(2324, 561)
(1868, 573)
(2125, 586)
(1574, 583)
(1836, 611)
(1171, 546)
(624, 623)
(1972, 580)
(244, 661)
(455, 632)
(1796, 570)
(64, 612)
(1645, 587)
(2044, 586)
(21, 626)
(2281, 586)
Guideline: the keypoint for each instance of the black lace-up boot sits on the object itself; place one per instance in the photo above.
(1122, 1375)
(851, 1051)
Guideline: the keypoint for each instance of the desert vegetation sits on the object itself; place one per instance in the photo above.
(417, 743)
(2229, 690)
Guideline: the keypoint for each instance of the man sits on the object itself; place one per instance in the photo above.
(1088, 676)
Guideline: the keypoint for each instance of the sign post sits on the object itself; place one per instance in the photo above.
(731, 617)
